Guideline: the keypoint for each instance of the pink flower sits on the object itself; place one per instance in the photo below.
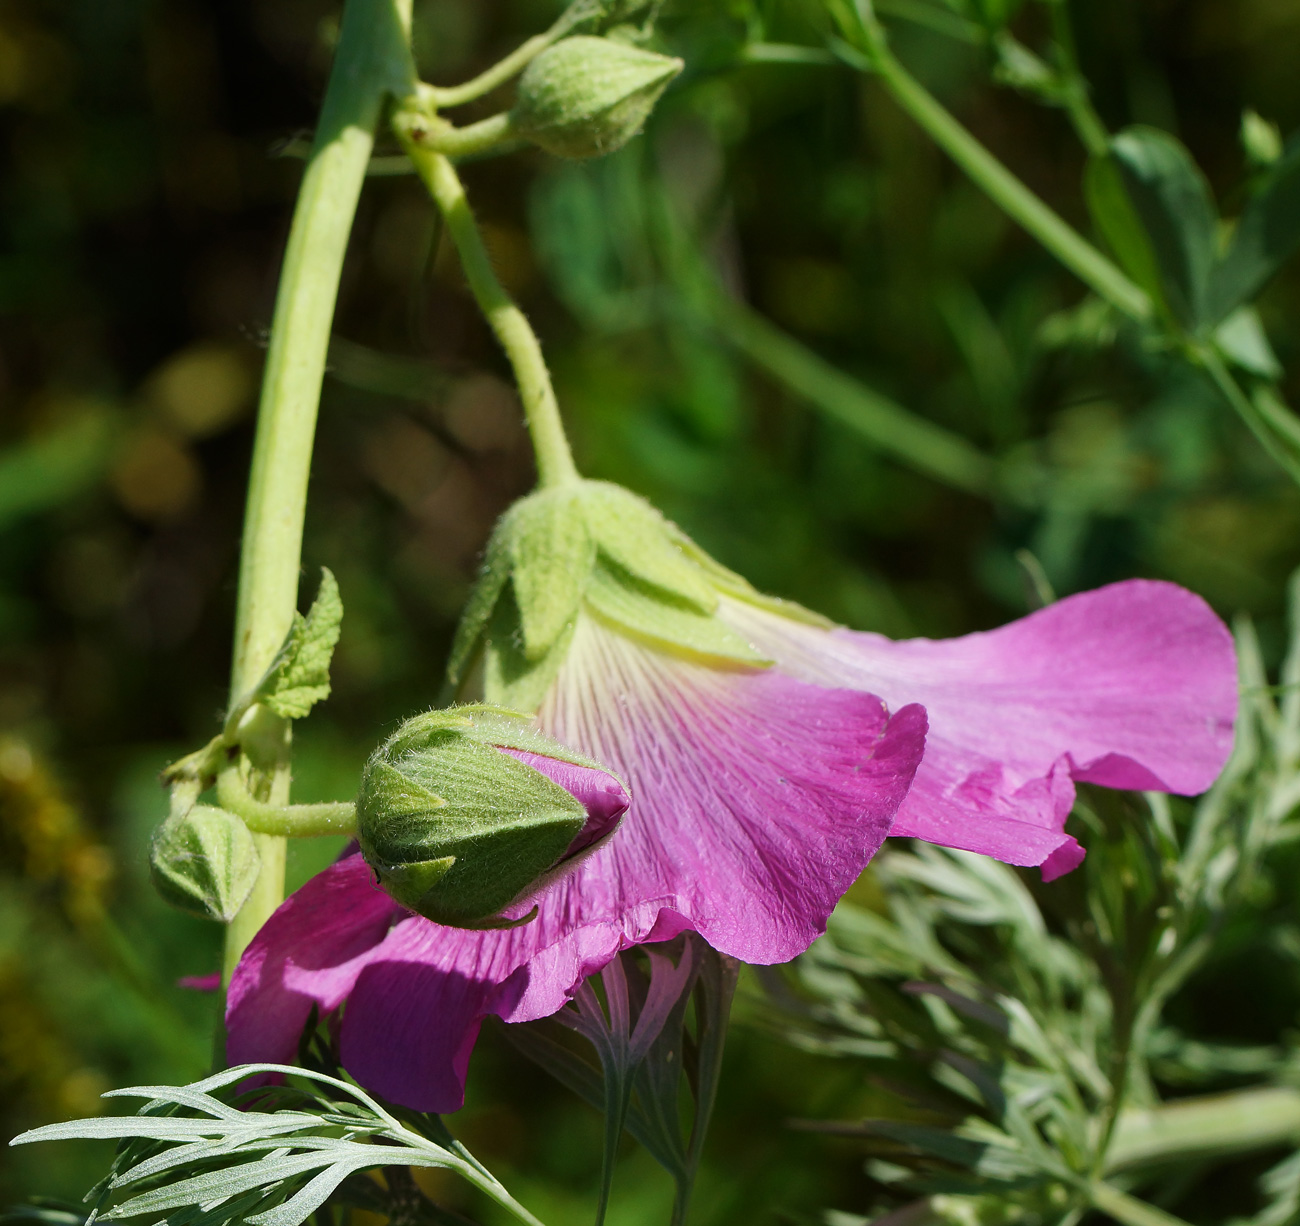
(758, 795)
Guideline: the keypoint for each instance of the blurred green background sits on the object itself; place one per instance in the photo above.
(149, 174)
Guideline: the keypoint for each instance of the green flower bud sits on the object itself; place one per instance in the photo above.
(465, 811)
(585, 96)
(204, 862)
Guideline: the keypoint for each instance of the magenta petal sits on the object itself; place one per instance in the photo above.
(1131, 686)
(604, 798)
(756, 800)
(309, 952)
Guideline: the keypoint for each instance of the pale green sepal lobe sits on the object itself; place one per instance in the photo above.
(636, 537)
(622, 600)
(483, 597)
(551, 550)
(510, 678)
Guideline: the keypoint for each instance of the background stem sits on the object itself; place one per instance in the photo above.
(373, 59)
(1001, 186)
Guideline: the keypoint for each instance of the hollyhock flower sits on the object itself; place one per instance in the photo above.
(768, 754)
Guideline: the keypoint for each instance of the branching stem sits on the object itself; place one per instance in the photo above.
(991, 176)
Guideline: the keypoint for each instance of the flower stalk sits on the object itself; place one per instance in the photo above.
(541, 410)
(373, 60)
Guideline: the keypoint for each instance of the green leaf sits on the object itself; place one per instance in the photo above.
(551, 554)
(1119, 224)
(1267, 234)
(268, 1168)
(299, 676)
(1242, 340)
(1173, 203)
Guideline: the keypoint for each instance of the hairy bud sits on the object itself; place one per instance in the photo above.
(465, 811)
(585, 96)
(204, 862)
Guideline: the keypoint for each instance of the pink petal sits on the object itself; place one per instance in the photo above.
(756, 800)
(200, 983)
(604, 798)
(309, 952)
(1131, 686)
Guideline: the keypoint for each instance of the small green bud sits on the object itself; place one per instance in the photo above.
(585, 96)
(204, 862)
(465, 811)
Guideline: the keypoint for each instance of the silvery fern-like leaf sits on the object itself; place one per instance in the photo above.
(266, 1167)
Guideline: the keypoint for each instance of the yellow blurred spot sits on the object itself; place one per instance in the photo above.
(203, 389)
(156, 476)
(79, 1093)
(405, 460)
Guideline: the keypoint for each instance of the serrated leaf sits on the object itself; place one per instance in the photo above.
(551, 554)
(1173, 203)
(638, 610)
(299, 677)
(1266, 236)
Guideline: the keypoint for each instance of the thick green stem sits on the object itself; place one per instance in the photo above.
(373, 60)
(1001, 186)
(554, 459)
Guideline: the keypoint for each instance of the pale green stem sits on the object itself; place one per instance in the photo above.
(890, 427)
(513, 64)
(1247, 409)
(372, 60)
(1001, 186)
(1197, 1129)
(286, 821)
(491, 135)
(554, 459)
(1128, 1209)
(1078, 104)
(498, 74)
